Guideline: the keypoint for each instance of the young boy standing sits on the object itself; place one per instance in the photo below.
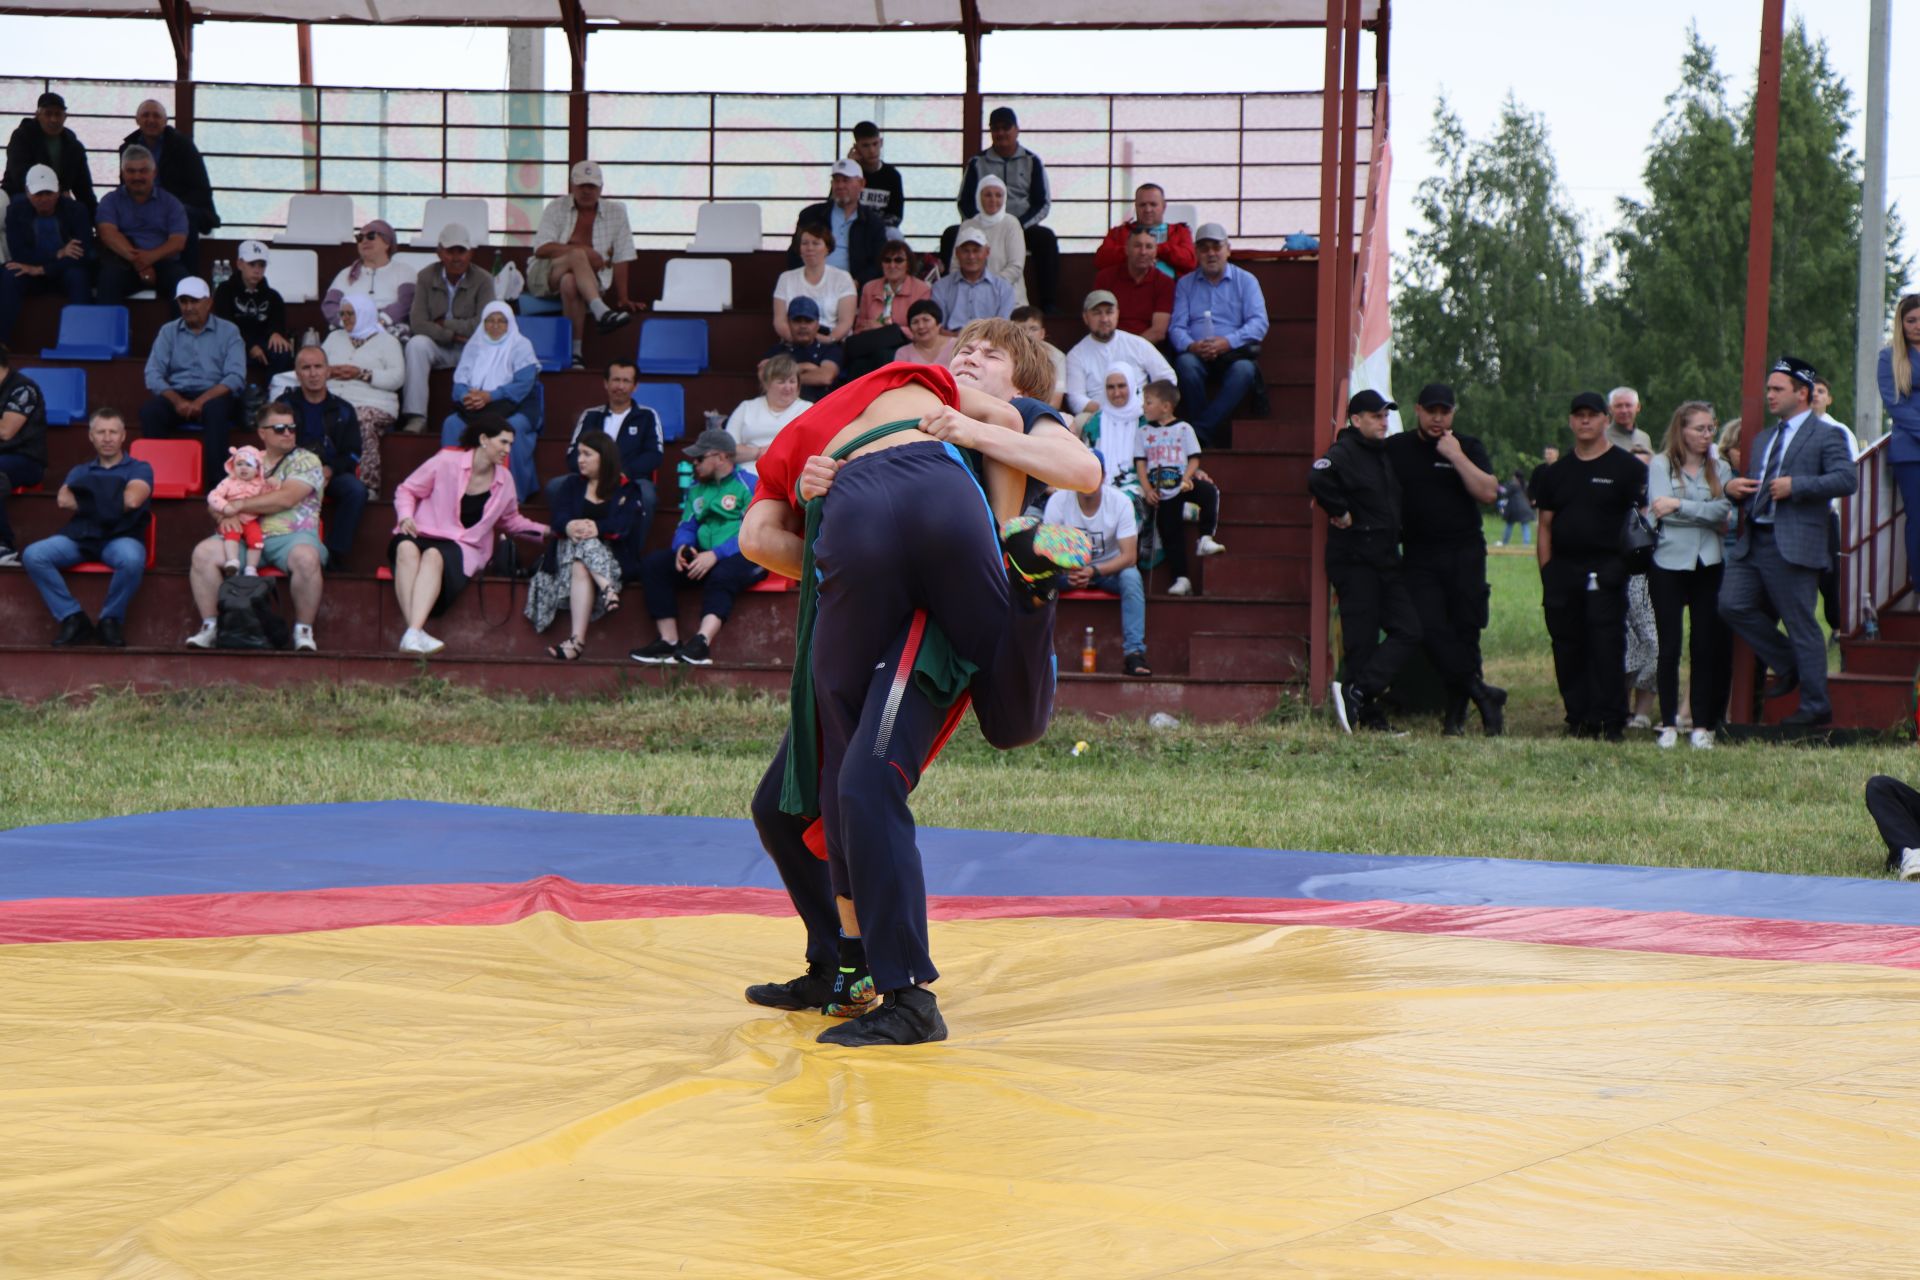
(1167, 460)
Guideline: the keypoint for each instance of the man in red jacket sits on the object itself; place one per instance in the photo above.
(1175, 256)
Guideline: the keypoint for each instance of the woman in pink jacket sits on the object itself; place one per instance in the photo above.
(448, 510)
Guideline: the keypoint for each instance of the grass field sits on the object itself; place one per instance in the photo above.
(1290, 782)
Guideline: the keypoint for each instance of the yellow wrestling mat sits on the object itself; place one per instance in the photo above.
(1120, 1098)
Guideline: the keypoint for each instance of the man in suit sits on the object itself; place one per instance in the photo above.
(1797, 467)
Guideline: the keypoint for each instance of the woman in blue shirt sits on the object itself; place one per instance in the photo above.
(499, 370)
(1900, 393)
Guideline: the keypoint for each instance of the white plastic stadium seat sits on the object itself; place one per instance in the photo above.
(727, 228)
(318, 220)
(414, 263)
(1187, 213)
(469, 212)
(294, 274)
(697, 284)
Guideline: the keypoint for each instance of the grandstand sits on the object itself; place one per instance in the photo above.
(1264, 165)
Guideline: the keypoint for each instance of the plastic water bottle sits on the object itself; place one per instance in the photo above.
(1593, 582)
(1087, 654)
(683, 476)
(222, 271)
(1206, 325)
(311, 338)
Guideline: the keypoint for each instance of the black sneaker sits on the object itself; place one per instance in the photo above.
(613, 320)
(696, 652)
(659, 653)
(908, 1016)
(1491, 701)
(808, 991)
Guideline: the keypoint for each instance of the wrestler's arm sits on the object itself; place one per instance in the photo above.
(1049, 453)
(772, 537)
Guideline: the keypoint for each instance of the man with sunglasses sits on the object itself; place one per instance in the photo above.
(289, 516)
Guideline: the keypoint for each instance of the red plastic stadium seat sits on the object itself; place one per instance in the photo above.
(175, 463)
(153, 548)
(1088, 595)
(773, 582)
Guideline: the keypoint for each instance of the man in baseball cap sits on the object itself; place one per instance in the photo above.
(706, 550)
(817, 360)
(1219, 321)
(582, 251)
(38, 140)
(1583, 500)
(196, 372)
(53, 243)
(971, 292)
(1028, 202)
(448, 299)
(856, 233)
(1446, 480)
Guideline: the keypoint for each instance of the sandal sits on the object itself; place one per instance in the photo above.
(611, 605)
(568, 650)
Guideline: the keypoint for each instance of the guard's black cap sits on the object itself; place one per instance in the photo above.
(1369, 401)
(1435, 395)
(1002, 117)
(1589, 400)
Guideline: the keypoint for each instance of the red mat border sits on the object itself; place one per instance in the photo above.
(49, 920)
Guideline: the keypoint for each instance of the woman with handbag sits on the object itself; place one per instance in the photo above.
(1686, 491)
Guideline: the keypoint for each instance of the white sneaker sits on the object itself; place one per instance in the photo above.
(427, 643)
(1180, 587)
(208, 633)
(1669, 737)
(1910, 864)
(410, 642)
(1639, 722)
(1702, 739)
(1208, 547)
(9, 558)
(303, 639)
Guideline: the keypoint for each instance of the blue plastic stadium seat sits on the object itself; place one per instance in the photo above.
(65, 391)
(669, 400)
(91, 333)
(531, 306)
(552, 339)
(673, 346)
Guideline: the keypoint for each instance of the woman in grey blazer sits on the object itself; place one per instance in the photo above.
(1686, 493)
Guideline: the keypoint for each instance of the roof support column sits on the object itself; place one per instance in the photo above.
(574, 20)
(1753, 364)
(1325, 381)
(971, 115)
(179, 19)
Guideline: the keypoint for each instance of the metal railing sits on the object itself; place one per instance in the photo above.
(1873, 544)
(1248, 161)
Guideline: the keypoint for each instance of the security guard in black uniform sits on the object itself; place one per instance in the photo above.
(1445, 478)
(1357, 489)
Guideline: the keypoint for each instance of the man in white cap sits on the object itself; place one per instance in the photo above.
(49, 245)
(1105, 343)
(196, 371)
(448, 298)
(143, 231)
(582, 249)
(858, 232)
(1006, 241)
(1219, 319)
(971, 292)
(257, 310)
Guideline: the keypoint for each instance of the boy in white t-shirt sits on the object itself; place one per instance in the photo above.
(1167, 460)
(1107, 517)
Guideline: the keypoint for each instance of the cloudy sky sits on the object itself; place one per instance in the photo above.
(1599, 75)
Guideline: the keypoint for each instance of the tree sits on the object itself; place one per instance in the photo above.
(1491, 295)
(1679, 305)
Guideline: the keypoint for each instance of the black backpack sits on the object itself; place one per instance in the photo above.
(248, 615)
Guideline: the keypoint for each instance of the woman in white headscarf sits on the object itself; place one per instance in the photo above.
(499, 376)
(365, 367)
(1115, 433)
(1006, 241)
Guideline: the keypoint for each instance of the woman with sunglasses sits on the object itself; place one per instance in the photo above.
(376, 275)
(880, 321)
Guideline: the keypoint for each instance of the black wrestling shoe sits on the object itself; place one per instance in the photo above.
(1038, 553)
(810, 990)
(909, 1016)
(1491, 701)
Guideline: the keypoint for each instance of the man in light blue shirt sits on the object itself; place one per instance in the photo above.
(1219, 318)
(971, 293)
(195, 371)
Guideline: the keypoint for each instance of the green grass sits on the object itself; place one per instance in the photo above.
(1289, 782)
